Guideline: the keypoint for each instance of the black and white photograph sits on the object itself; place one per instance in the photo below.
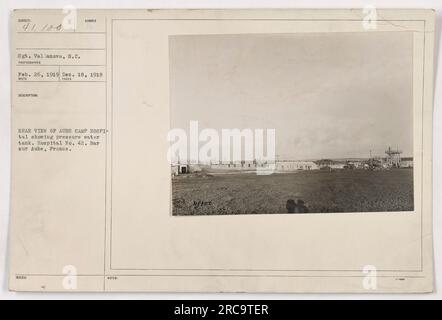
(291, 123)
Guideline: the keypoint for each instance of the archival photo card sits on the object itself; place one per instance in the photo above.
(270, 150)
(291, 123)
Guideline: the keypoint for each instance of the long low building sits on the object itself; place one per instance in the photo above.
(293, 165)
(287, 165)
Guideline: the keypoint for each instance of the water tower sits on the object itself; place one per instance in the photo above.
(393, 157)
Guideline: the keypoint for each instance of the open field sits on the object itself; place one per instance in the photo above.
(322, 191)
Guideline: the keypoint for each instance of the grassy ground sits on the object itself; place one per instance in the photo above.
(322, 191)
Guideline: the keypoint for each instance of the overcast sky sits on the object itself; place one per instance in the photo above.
(328, 95)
